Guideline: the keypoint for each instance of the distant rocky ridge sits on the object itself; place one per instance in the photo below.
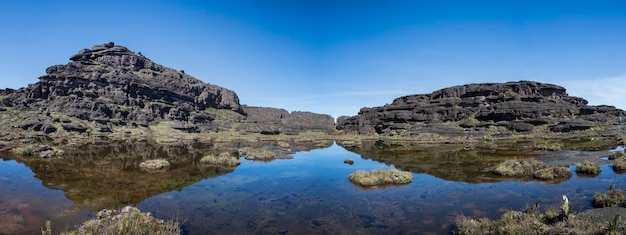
(114, 86)
(518, 106)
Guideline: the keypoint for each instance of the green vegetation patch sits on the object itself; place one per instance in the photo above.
(155, 165)
(223, 159)
(380, 177)
(531, 221)
(587, 167)
(257, 154)
(613, 197)
(34, 150)
(552, 173)
(619, 165)
(517, 168)
(129, 220)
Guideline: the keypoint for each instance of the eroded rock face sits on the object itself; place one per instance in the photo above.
(517, 105)
(276, 121)
(110, 85)
(110, 82)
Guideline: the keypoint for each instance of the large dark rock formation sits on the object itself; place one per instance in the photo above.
(274, 121)
(519, 106)
(110, 82)
(111, 85)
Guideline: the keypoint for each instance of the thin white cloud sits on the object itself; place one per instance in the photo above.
(604, 91)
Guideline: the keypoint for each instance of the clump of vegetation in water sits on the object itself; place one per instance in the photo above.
(613, 197)
(616, 155)
(380, 177)
(552, 173)
(155, 165)
(531, 221)
(531, 168)
(223, 159)
(128, 220)
(619, 165)
(519, 168)
(587, 167)
(33, 150)
(257, 154)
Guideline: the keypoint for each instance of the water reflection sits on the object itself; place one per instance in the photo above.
(309, 194)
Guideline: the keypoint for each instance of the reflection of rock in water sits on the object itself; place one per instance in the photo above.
(108, 176)
(446, 161)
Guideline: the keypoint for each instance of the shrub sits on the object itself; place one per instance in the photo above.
(519, 168)
(613, 197)
(587, 167)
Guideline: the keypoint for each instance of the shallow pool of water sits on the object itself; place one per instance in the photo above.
(309, 194)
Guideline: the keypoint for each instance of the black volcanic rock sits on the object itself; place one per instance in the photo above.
(111, 82)
(517, 105)
(275, 121)
(110, 85)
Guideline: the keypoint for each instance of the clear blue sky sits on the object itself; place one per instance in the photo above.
(334, 57)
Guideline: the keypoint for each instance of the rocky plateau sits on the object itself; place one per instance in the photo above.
(516, 106)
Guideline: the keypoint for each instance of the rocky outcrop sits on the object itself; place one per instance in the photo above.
(110, 82)
(519, 106)
(110, 85)
(275, 121)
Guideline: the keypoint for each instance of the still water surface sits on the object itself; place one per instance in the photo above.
(309, 194)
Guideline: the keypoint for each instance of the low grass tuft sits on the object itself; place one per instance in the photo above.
(519, 168)
(128, 220)
(380, 177)
(613, 197)
(223, 159)
(155, 165)
(552, 173)
(257, 154)
(619, 165)
(587, 167)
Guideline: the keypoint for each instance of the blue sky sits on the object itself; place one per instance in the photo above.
(334, 57)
